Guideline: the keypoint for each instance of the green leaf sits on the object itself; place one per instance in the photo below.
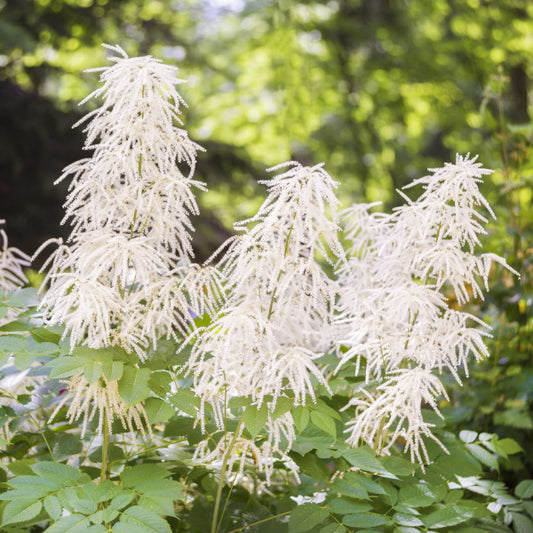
(67, 445)
(482, 455)
(53, 507)
(92, 372)
(468, 436)
(64, 367)
(254, 419)
(398, 465)
(447, 517)
(333, 528)
(141, 520)
(121, 500)
(20, 510)
(158, 410)
(185, 400)
(283, 405)
(133, 386)
(324, 422)
(322, 407)
(405, 519)
(60, 473)
(363, 459)
(301, 416)
(112, 370)
(312, 466)
(74, 523)
(352, 490)
(160, 495)
(361, 520)
(45, 335)
(524, 489)
(133, 475)
(306, 517)
(160, 383)
(521, 523)
(509, 446)
(419, 495)
(339, 506)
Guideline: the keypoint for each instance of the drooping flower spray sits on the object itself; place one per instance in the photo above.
(279, 313)
(124, 278)
(395, 316)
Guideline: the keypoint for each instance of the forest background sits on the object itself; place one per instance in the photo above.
(379, 90)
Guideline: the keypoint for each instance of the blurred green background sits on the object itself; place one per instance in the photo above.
(377, 89)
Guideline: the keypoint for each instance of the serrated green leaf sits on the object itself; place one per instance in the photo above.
(447, 517)
(398, 465)
(509, 446)
(93, 372)
(345, 488)
(133, 386)
(405, 519)
(64, 367)
(67, 445)
(468, 436)
(158, 410)
(483, 456)
(528, 506)
(74, 523)
(112, 370)
(524, 489)
(121, 500)
(371, 486)
(20, 510)
(160, 495)
(324, 422)
(160, 383)
(333, 528)
(364, 459)
(133, 475)
(364, 520)
(343, 507)
(301, 416)
(419, 495)
(53, 507)
(185, 400)
(141, 520)
(306, 517)
(60, 473)
(283, 405)
(322, 407)
(45, 335)
(254, 419)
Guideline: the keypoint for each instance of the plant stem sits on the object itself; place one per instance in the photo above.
(105, 448)
(215, 523)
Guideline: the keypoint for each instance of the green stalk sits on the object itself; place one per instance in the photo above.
(215, 524)
(105, 449)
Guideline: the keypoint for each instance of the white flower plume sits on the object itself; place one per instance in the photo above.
(124, 277)
(12, 263)
(277, 318)
(394, 316)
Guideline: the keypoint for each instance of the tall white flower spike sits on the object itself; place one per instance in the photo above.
(277, 318)
(394, 315)
(124, 277)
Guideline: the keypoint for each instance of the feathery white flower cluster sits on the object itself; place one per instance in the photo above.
(278, 314)
(102, 397)
(394, 314)
(12, 262)
(116, 281)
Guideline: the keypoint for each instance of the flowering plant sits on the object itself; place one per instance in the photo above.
(207, 389)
